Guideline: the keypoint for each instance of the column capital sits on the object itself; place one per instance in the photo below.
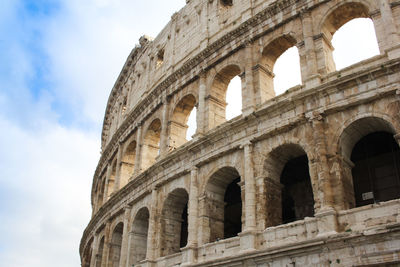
(316, 115)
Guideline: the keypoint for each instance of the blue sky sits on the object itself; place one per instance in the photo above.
(58, 62)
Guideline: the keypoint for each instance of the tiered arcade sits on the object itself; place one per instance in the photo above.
(310, 177)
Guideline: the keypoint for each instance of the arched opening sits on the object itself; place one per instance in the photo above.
(138, 237)
(115, 246)
(174, 222)
(281, 55)
(297, 195)
(178, 125)
(192, 124)
(111, 179)
(217, 100)
(376, 171)
(151, 144)
(288, 185)
(100, 192)
(223, 204)
(353, 42)
(234, 98)
(287, 71)
(127, 163)
(87, 255)
(99, 254)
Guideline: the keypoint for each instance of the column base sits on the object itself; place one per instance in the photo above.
(312, 81)
(327, 222)
(189, 255)
(248, 241)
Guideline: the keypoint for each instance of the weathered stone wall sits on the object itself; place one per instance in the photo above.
(148, 173)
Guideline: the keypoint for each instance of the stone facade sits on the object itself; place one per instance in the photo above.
(283, 184)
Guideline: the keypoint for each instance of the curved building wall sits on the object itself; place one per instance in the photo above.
(283, 183)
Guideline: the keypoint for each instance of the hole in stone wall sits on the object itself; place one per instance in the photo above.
(227, 2)
(115, 246)
(233, 210)
(234, 98)
(99, 255)
(376, 173)
(287, 71)
(297, 195)
(160, 58)
(354, 42)
(138, 237)
(184, 227)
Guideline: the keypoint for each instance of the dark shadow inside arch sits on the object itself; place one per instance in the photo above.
(297, 195)
(138, 237)
(99, 254)
(223, 204)
(376, 171)
(174, 222)
(233, 209)
(115, 246)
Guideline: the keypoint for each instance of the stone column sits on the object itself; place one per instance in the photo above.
(308, 58)
(248, 97)
(327, 220)
(106, 248)
(248, 235)
(189, 253)
(152, 230)
(263, 80)
(200, 115)
(138, 157)
(386, 30)
(118, 169)
(94, 251)
(164, 128)
(125, 237)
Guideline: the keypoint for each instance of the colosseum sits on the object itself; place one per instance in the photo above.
(309, 177)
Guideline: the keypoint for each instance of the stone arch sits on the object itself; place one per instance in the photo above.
(179, 118)
(221, 205)
(288, 184)
(334, 19)
(87, 254)
(127, 167)
(369, 158)
(115, 245)
(216, 100)
(270, 54)
(111, 178)
(99, 255)
(151, 144)
(174, 222)
(101, 185)
(138, 236)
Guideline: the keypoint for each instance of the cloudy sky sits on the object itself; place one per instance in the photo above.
(58, 62)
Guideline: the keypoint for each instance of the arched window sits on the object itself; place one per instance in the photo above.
(178, 125)
(223, 204)
(151, 144)
(99, 254)
(138, 237)
(115, 246)
(217, 100)
(111, 179)
(355, 41)
(234, 98)
(127, 163)
(287, 71)
(376, 171)
(87, 255)
(279, 57)
(174, 222)
(288, 185)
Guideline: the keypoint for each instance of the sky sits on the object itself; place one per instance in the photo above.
(58, 62)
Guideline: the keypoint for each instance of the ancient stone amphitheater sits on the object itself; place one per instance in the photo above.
(310, 177)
